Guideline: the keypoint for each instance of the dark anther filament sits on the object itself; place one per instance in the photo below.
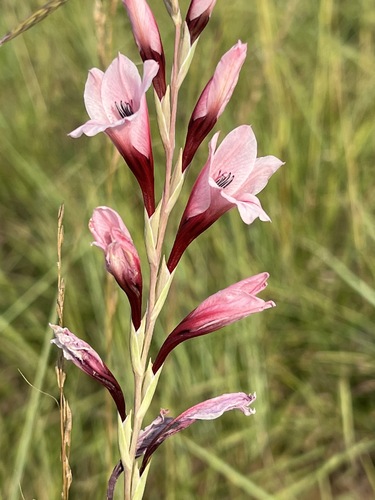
(223, 180)
(124, 109)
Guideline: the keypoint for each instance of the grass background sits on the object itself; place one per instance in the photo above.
(308, 90)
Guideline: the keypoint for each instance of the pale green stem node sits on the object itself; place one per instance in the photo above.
(173, 9)
(178, 178)
(186, 54)
(163, 286)
(136, 344)
(124, 440)
(163, 115)
(148, 390)
(151, 235)
(139, 483)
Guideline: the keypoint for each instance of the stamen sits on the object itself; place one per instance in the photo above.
(124, 109)
(223, 180)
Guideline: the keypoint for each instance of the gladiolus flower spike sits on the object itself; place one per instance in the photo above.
(121, 256)
(221, 309)
(116, 103)
(232, 176)
(83, 355)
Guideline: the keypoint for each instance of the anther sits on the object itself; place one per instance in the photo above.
(223, 180)
(124, 109)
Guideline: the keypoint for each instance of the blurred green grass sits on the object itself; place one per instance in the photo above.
(308, 90)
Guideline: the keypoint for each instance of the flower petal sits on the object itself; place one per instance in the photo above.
(200, 197)
(213, 100)
(144, 27)
(236, 155)
(207, 410)
(103, 222)
(92, 96)
(121, 86)
(121, 256)
(248, 206)
(197, 17)
(225, 79)
(199, 7)
(150, 69)
(263, 169)
(147, 37)
(90, 128)
(139, 133)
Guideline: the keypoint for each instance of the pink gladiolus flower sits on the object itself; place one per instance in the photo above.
(163, 427)
(232, 176)
(197, 17)
(147, 37)
(213, 100)
(83, 355)
(116, 103)
(221, 309)
(121, 257)
(207, 410)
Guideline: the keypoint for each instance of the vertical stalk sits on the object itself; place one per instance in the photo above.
(154, 266)
(65, 412)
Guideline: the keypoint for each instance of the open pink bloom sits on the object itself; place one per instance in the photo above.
(147, 37)
(121, 257)
(197, 17)
(83, 355)
(116, 103)
(221, 309)
(163, 427)
(213, 100)
(232, 176)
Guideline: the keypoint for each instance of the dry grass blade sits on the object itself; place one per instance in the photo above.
(65, 412)
(32, 20)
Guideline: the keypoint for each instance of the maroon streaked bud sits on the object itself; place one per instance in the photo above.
(213, 100)
(147, 37)
(121, 256)
(83, 355)
(221, 309)
(197, 17)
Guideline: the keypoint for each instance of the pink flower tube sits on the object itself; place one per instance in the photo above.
(147, 37)
(232, 176)
(213, 100)
(116, 103)
(121, 256)
(221, 309)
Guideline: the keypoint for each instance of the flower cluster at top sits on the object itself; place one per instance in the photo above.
(232, 176)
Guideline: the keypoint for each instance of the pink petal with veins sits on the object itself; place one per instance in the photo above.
(221, 309)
